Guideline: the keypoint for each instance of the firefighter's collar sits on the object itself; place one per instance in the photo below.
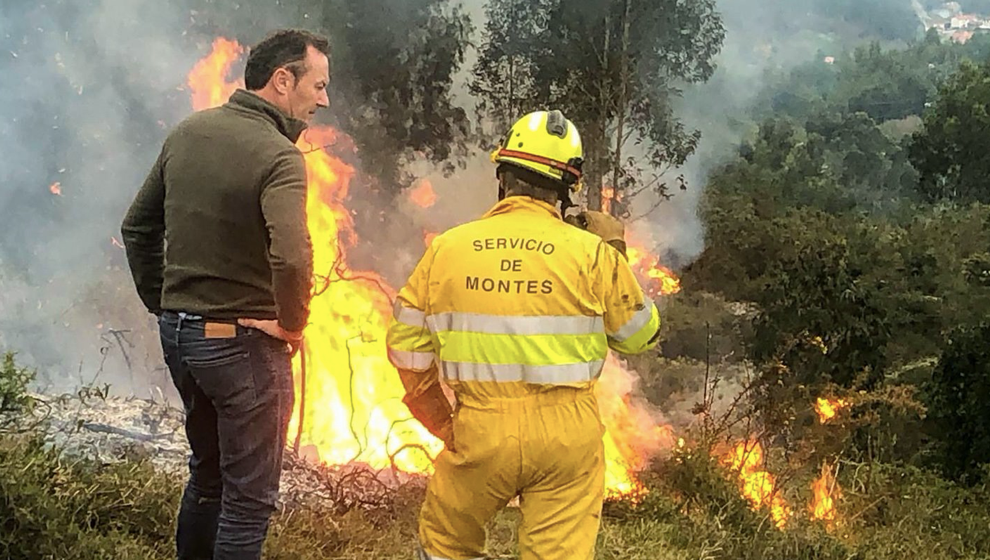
(523, 203)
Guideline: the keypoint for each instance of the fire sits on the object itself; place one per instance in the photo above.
(423, 194)
(353, 399)
(608, 195)
(428, 237)
(827, 409)
(634, 433)
(825, 489)
(208, 79)
(659, 279)
(56, 188)
(757, 485)
(349, 402)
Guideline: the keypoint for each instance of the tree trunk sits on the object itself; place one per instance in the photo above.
(596, 162)
(621, 106)
(595, 147)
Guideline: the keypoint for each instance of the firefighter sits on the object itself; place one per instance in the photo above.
(516, 311)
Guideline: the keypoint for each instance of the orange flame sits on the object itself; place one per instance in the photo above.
(56, 188)
(827, 409)
(353, 399)
(658, 279)
(208, 78)
(634, 434)
(825, 489)
(351, 408)
(757, 485)
(423, 195)
(608, 195)
(428, 237)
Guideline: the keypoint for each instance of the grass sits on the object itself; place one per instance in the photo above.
(54, 508)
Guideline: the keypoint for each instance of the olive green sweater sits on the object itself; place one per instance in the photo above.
(219, 227)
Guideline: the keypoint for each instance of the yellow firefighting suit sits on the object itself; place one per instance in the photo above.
(516, 311)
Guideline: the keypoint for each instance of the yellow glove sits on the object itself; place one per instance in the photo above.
(605, 226)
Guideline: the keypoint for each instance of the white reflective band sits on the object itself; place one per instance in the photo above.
(408, 315)
(504, 373)
(639, 320)
(515, 324)
(432, 557)
(416, 361)
(421, 554)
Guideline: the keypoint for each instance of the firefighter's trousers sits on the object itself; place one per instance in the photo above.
(545, 448)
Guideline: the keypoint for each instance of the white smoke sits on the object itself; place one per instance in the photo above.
(90, 88)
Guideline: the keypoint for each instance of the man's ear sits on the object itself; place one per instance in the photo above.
(283, 80)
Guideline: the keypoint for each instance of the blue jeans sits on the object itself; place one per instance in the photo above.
(236, 388)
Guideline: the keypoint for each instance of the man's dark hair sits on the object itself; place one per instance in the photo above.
(517, 181)
(286, 47)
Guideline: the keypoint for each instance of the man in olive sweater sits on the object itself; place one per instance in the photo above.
(217, 243)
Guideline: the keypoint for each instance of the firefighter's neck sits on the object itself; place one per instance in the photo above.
(536, 193)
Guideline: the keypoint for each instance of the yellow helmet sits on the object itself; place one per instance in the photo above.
(547, 143)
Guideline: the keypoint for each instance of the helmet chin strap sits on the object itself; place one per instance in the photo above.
(565, 200)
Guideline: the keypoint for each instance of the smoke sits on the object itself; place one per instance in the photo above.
(764, 40)
(90, 89)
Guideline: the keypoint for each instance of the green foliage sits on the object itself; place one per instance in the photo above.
(882, 18)
(392, 65)
(821, 290)
(53, 508)
(401, 103)
(14, 399)
(895, 512)
(885, 84)
(949, 152)
(959, 404)
(698, 499)
(817, 222)
(702, 326)
(611, 67)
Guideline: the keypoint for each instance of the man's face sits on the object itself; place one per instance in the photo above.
(310, 90)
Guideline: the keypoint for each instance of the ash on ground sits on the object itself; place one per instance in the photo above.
(107, 429)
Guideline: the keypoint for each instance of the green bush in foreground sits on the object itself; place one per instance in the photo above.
(52, 508)
(14, 400)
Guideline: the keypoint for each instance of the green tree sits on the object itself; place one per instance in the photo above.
(959, 404)
(884, 19)
(822, 313)
(397, 60)
(950, 153)
(612, 67)
(393, 66)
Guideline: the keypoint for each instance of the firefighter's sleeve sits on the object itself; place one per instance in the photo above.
(411, 351)
(632, 322)
(143, 232)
